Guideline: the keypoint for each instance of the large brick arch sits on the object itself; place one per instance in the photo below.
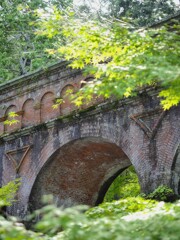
(79, 172)
(107, 132)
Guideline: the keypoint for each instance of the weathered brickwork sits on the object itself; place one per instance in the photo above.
(33, 96)
(75, 155)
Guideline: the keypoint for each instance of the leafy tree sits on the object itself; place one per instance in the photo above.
(121, 58)
(141, 13)
(21, 51)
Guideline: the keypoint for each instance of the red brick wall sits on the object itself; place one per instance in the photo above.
(29, 116)
(46, 107)
(36, 104)
(67, 106)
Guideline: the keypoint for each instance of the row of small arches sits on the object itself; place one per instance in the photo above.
(33, 113)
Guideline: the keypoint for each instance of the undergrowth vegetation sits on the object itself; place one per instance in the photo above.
(125, 185)
(131, 218)
(128, 218)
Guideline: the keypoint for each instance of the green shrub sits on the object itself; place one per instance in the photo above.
(163, 193)
(156, 222)
(121, 207)
(126, 219)
(13, 230)
(8, 192)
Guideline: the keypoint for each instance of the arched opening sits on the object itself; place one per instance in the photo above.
(2, 119)
(67, 106)
(80, 172)
(29, 116)
(14, 122)
(95, 99)
(47, 112)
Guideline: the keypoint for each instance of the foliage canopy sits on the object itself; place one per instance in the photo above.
(21, 51)
(140, 13)
(122, 59)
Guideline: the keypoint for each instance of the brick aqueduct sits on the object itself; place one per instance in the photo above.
(75, 155)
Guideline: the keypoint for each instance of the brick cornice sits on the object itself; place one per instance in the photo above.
(110, 105)
(36, 80)
(30, 77)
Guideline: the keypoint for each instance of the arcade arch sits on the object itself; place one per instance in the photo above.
(80, 172)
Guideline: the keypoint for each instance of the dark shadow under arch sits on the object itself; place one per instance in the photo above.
(175, 172)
